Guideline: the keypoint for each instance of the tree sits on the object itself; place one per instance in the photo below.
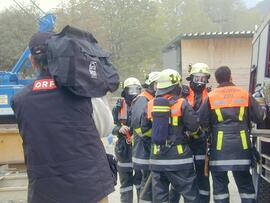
(230, 15)
(195, 19)
(16, 27)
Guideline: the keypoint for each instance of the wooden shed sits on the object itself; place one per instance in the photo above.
(215, 49)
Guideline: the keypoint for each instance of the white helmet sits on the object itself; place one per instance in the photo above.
(168, 78)
(152, 77)
(131, 82)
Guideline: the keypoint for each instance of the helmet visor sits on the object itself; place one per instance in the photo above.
(133, 90)
(200, 78)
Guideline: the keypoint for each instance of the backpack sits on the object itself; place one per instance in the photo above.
(78, 63)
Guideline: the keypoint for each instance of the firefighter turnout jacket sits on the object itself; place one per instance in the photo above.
(196, 99)
(197, 145)
(227, 111)
(123, 148)
(175, 154)
(63, 152)
(141, 139)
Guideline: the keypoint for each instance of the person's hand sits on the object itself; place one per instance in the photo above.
(124, 129)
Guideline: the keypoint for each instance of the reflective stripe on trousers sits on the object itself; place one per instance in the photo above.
(204, 192)
(221, 196)
(247, 196)
(126, 189)
(230, 162)
(144, 201)
(171, 161)
(199, 157)
(140, 161)
(125, 165)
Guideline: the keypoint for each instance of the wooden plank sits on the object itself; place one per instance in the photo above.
(14, 180)
(13, 193)
(11, 151)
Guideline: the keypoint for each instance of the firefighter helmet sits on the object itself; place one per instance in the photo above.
(131, 82)
(152, 77)
(199, 73)
(168, 78)
(199, 68)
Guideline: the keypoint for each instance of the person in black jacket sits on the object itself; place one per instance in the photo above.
(142, 139)
(195, 94)
(123, 147)
(227, 112)
(172, 120)
(64, 156)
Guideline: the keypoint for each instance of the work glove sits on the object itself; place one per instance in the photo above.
(124, 129)
(110, 138)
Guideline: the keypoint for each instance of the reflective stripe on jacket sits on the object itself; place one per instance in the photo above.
(123, 151)
(141, 145)
(230, 149)
(197, 145)
(176, 154)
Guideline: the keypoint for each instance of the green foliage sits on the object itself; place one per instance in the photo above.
(16, 29)
(134, 31)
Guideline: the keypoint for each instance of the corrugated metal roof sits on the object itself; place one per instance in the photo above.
(209, 35)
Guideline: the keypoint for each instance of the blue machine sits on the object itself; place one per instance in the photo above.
(13, 81)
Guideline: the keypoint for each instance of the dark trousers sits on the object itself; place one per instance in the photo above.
(146, 196)
(183, 181)
(203, 184)
(127, 180)
(243, 181)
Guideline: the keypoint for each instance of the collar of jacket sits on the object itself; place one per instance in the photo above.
(225, 84)
(150, 91)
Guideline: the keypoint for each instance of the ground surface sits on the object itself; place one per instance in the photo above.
(115, 196)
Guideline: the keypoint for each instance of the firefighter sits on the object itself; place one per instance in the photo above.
(63, 152)
(171, 160)
(123, 147)
(195, 94)
(142, 139)
(227, 111)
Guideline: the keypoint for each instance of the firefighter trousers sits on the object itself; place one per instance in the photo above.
(146, 195)
(243, 180)
(127, 180)
(203, 184)
(184, 182)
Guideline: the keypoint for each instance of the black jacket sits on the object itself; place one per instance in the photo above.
(141, 140)
(230, 148)
(65, 158)
(177, 154)
(123, 150)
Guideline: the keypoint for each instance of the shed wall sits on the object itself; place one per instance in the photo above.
(233, 52)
